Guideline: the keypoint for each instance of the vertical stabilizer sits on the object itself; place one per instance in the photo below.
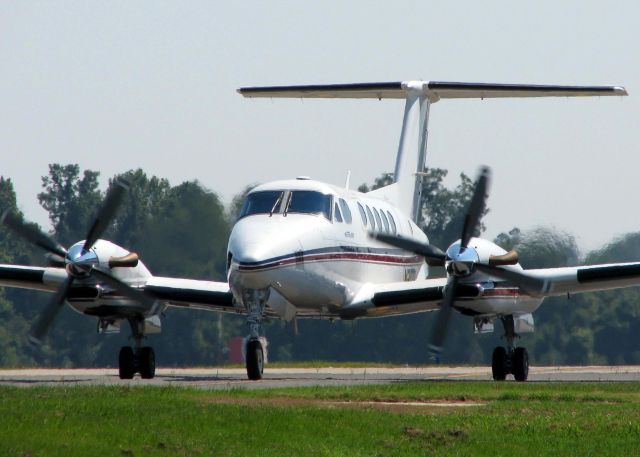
(411, 153)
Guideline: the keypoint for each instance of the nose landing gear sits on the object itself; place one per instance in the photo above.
(510, 360)
(141, 360)
(254, 302)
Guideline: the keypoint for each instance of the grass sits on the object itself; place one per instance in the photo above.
(514, 419)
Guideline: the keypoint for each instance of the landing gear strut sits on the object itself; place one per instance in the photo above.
(510, 360)
(254, 302)
(141, 360)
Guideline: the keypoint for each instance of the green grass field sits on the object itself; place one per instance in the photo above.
(507, 419)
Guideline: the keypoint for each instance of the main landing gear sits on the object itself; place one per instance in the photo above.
(509, 360)
(141, 360)
(254, 302)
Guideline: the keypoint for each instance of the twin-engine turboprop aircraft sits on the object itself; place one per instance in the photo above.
(303, 248)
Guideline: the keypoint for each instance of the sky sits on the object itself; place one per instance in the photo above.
(114, 86)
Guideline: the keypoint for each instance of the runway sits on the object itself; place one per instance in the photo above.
(234, 378)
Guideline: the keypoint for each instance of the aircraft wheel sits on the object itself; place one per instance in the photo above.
(520, 364)
(255, 360)
(126, 363)
(147, 362)
(499, 364)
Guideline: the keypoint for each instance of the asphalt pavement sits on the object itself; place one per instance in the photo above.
(233, 378)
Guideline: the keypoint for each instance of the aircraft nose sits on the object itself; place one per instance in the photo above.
(251, 252)
(259, 246)
(251, 242)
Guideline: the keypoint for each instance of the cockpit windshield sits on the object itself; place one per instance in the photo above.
(296, 201)
(309, 202)
(264, 202)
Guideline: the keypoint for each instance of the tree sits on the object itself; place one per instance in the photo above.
(71, 201)
(236, 204)
(142, 203)
(442, 210)
(14, 320)
(381, 181)
(541, 247)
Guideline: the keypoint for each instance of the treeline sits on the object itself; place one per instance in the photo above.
(182, 230)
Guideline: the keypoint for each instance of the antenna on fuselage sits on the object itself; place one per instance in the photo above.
(404, 193)
(348, 180)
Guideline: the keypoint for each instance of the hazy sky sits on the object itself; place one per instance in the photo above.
(119, 85)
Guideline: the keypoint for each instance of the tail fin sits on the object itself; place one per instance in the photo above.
(419, 95)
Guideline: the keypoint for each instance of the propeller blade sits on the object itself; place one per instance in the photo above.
(476, 207)
(55, 260)
(433, 254)
(32, 234)
(441, 325)
(41, 327)
(530, 284)
(123, 288)
(106, 213)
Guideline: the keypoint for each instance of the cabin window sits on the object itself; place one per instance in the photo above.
(384, 221)
(346, 212)
(363, 215)
(309, 202)
(378, 221)
(394, 229)
(336, 213)
(264, 202)
(370, 214)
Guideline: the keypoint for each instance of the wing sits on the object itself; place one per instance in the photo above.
(590, 278)
(191, 293)
(404, 297)
(28, 277)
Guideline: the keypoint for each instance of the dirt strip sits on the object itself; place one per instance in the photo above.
(421, 407)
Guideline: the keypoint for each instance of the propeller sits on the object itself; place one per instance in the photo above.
(105, 215)
(81, 262)
(462, 261)
(31, 233)
(50, 312)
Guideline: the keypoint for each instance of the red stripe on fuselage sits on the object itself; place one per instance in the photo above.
(350, 256)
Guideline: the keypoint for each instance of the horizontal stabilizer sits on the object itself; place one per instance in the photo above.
(434, 90)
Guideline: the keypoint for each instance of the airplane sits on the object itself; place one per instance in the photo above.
(302, 248)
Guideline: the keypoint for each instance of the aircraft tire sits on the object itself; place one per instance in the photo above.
(520, 364)
(147, 362)
(499, 364)
(126, 363)
(255, 360)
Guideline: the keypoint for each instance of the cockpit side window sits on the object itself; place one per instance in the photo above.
(263, 202)
(346, 212)
(309, 202)
(336, 213)
(363, 215)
